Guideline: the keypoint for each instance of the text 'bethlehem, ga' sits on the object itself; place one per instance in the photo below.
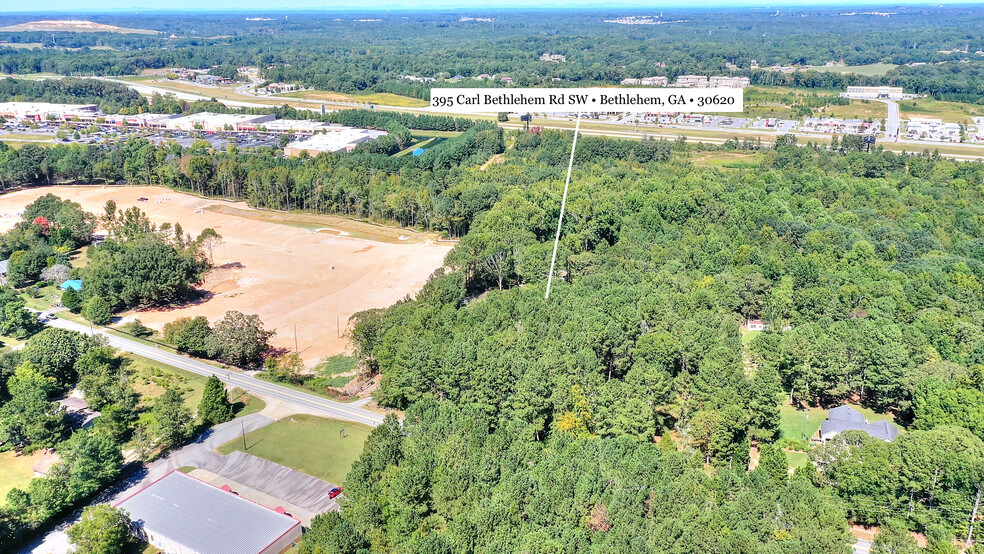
(466, 100)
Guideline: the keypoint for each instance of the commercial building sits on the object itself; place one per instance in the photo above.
(932, 129)
(728, 82)
(144, 120)
(41, 111)
(213, 80)
(891, 93)
(298, 126)
(212, 122)
(342, 139)
(691, 81)
(182, 515)
(656, 81)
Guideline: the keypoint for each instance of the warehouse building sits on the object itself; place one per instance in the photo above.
(298, 126)
(182, 515)
(216, 122)
(892, 93)
(341, 140)
(42, 111)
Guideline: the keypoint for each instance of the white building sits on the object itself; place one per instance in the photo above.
(341, 140)
(41, 111)
(144, 120)
(655, 81)
(298, 126)
(891, 93)
(213, 122)
(699, 81)
(728, 82)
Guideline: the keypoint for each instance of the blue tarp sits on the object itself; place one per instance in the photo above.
(74, 284)
(419, 151)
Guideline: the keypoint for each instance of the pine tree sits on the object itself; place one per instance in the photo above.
(214, 407)
(774, 464)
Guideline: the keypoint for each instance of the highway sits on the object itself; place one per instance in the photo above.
(308, 402)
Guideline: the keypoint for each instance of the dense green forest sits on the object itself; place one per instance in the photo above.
(373, 52)
(623, 413)
(531, 417)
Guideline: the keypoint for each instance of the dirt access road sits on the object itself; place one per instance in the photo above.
(281, 271)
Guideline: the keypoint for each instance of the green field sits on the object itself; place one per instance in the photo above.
(308, 444)
(15, 472)
(951, 112)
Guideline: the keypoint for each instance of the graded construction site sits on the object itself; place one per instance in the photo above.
(295, 271)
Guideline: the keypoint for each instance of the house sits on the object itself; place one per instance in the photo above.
(756, 325)
(179, 513)
(846, 418)
(506, 79)
(79, 414)
(74, 284)
(3, 271)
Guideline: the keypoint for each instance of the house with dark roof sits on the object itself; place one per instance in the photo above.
(846, 418)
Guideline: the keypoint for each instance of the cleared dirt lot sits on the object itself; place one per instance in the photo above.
(279, 271)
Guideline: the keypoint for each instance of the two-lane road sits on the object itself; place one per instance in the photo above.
(306, 402)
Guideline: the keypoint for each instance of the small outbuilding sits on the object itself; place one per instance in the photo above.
(74, 284)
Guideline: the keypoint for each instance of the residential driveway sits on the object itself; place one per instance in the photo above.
(301, 490)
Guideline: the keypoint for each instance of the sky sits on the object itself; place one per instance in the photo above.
(349, 5)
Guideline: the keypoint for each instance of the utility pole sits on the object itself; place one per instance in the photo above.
(244, 434)
(295, 338)
(973, 516)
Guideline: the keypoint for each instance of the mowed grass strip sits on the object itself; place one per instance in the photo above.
(309, 444)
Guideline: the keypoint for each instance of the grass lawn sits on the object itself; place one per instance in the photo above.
(15, 472)
(151, 378)
(951, 112)
(857, 109)
(748, 336)
(429, 134)
(796, 425)
(45, 301)
(18, 144)
(308, 444)
(797, 459)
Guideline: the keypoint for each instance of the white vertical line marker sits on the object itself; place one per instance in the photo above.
(563, 204)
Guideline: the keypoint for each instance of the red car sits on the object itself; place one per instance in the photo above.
(335, 492)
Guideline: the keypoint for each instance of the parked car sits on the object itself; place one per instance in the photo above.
(335, 492)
